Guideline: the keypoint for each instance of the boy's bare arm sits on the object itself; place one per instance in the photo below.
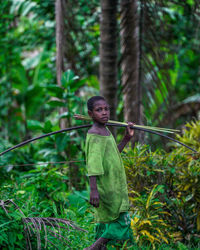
(94, 194)
(129, 134)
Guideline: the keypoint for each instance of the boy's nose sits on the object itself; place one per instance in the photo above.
(104, 111)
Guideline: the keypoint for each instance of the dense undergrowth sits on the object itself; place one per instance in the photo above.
(164, 190)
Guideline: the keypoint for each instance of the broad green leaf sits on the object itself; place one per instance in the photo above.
(47, 127)
(56, 103)
(20, 81)
(55, 91)
(62, 142)
(68, 78)
(34, 125)
(190, 2)
(31, 62)
(64, 115)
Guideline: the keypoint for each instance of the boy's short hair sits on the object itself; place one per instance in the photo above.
(92, 100)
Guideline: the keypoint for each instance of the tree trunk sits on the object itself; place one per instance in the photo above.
(108, 53)
(60, 9)
(129, 31)
(59, 40)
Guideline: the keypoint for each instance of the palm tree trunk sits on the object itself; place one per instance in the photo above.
(129, 31)
(60, 48)
(59, 40)
(108, 53)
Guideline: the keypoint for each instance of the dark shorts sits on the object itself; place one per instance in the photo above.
(115, 230)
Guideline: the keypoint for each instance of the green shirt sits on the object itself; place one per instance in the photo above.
(104, 161)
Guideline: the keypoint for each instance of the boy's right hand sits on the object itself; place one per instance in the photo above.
(94, 198)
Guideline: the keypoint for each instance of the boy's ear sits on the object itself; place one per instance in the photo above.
(90, 113)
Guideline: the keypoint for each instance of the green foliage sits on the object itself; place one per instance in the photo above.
(148, 224)
(64, 96)
(175, 205)
(40, 193)
(170, 56)
(29, 104)
(43, 231)
(164, 208)
(191, 136)
(58, 148)
(26, 66)
(11, 230)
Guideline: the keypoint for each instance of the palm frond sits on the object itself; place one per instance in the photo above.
(50, 226)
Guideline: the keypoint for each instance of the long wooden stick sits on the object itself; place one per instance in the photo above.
(87, 126)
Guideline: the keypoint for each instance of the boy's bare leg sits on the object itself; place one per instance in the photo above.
(99, 244)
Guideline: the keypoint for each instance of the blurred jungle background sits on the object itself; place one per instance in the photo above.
(143, 57)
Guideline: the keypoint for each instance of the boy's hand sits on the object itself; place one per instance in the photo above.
(127, 137)
(129, 131)
(94, 198)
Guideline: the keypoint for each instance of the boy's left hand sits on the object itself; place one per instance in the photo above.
(127, 137)
(129, 130)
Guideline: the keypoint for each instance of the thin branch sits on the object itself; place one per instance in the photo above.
(87, 126)
(43, 136)
(156, 133)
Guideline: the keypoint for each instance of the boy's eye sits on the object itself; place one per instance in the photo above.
(100, 109)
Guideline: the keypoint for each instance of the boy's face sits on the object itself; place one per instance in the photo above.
(100, 112)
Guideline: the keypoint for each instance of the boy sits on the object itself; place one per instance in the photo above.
(109, 194)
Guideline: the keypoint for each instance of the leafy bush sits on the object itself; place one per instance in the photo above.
(148, 223)
(11, 230)
(164, 193)
(41, 201)
(178, 205)
(19, 231)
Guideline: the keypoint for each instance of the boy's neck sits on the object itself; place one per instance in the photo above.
(100, 129)
(99, 125)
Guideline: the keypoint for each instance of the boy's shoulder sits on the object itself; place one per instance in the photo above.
(94, 131)
(97, 131)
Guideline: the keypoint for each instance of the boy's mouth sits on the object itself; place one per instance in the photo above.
(104, 118)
